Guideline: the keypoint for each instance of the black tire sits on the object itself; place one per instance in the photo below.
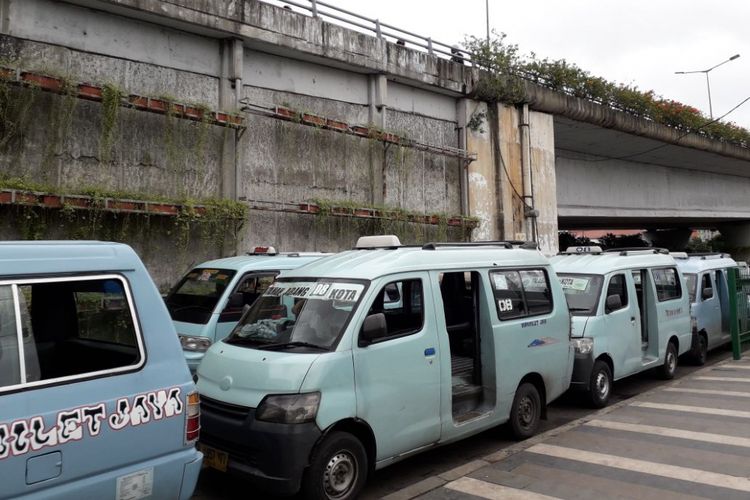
(600, 384)
(668, 369)
(701, 351)
(525, 412)
(338, 469)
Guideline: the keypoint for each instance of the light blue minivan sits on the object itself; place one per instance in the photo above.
(630, 313)
(706, 277)
(95, 399)
(209, 300)
(361, 359)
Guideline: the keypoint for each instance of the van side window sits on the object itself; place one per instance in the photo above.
(617, 287)
(10, 368)
(667, 284)
(521, 293)
(405, 316)
(79, 326)
(706, 285)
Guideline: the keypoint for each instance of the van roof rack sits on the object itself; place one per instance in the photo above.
(641, 250)
(706, 255)
(526, 245)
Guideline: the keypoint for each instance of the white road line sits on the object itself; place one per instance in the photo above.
(645, 467)
(708, 391)
(706, 437)
(724, 379)
(493, 491)
(738, 366)
(692, 409)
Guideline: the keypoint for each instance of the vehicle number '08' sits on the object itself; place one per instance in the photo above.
(505, 305)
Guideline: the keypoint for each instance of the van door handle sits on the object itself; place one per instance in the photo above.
(632, 319)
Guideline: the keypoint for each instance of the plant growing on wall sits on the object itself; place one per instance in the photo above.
(504, 73)
(111, 96)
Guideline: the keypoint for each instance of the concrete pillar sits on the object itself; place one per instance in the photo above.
(544, 180)
(508, 173)
(479, 195)
(230, 92)
(377, 93)
(675, 240)
(737, 238)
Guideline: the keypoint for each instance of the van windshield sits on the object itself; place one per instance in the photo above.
(194, 298)
(582, 292)
(302, 316)
(691, 280)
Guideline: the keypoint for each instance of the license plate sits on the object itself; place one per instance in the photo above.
(216, 459)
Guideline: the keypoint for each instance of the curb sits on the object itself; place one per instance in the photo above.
(439, 480)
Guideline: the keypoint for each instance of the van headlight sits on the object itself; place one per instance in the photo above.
(583, 345)
(194, 344)
(289, 408)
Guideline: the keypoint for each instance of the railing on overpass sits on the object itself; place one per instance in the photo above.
(323, 10)
(739, 303)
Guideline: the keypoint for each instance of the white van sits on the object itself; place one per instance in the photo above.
(630, 312)
(706, 278)
(363, 358)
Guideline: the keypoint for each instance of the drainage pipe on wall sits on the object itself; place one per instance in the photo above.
(528, 194)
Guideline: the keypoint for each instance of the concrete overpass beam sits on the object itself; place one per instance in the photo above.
(737, 237)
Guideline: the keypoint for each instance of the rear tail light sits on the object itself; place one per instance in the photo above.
(193, 422)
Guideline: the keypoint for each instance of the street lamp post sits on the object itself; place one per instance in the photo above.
(708, 84)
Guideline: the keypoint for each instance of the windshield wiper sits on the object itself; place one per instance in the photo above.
(247, 340)
(578, 308)
(283, 345)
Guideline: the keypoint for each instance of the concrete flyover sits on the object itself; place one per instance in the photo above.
(578, 163)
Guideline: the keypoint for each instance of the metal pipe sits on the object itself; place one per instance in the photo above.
(528, 196)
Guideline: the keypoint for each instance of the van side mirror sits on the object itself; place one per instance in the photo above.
(236, 300)
(613, 303)
(373, 329)
(707, 293)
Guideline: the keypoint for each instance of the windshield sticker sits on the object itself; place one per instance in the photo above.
(579, 284)
(505, 305)
(22, 436)
(341, 292)
(501, 283)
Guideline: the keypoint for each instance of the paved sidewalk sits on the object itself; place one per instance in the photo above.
(686, 439)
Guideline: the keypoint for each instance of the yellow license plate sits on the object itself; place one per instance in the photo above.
(216, 459)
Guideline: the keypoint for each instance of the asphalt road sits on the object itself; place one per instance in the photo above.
(214, 485)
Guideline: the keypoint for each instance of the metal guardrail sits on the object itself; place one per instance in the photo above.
(323, 10)
(739, 304)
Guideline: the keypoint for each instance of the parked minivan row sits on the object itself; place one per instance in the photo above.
(314, 369)
(355, 361)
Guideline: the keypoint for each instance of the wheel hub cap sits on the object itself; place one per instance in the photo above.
(601, 384)
(526, 412)
(340, 475)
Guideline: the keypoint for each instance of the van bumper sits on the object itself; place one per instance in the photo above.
(582, 366)
(272, 456)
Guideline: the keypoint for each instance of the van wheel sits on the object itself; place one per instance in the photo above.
(701, 351)
(600, 384)
(669, 367)
(338, 469)
(525, 412)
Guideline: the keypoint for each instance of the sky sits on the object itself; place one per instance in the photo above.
(639, 43)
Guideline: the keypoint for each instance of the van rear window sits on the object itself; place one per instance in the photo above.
(70, 327)
(521, 293)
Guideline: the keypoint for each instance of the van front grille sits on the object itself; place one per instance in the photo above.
(225, 409)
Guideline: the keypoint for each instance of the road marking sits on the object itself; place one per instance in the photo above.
(706, 437)
(645, 467)
(739, 366)
(692, 409)
(709, 391)
(724, 379)
(493, 491)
